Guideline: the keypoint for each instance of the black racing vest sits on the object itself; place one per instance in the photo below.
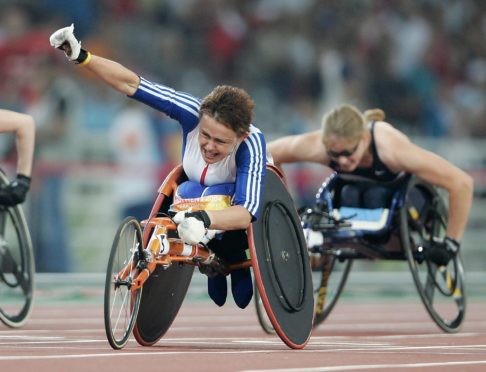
(378, 171)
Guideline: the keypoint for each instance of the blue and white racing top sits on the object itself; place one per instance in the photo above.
(244, 166)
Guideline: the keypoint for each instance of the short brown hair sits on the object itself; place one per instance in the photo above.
(231, 106)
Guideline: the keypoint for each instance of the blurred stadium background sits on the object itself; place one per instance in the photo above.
(100, 157)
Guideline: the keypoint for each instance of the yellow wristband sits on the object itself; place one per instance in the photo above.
(86, 61)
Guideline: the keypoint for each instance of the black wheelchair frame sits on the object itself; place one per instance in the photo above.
(417, 218)
(16, 265)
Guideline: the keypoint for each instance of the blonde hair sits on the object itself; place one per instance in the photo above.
(375, 114)
(346, 121)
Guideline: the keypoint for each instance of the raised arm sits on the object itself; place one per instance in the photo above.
(112, 73)
(306, 147)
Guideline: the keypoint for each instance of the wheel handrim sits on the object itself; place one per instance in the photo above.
(17, 267)
(441, 288)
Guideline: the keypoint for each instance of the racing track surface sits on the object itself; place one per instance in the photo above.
(66, 333)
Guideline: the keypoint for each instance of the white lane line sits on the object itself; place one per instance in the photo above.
(352, 367)
(118, 354)
(183, 325)
(29, 337)
(409, 336)
(315, 339)
(45, 342)
(332, 343)
(60, 322)
(409, 326)
(330, 348)
(222, 343)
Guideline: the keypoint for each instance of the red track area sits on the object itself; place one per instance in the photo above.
(357, 336)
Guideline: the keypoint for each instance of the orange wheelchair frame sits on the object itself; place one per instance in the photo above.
(150, 269)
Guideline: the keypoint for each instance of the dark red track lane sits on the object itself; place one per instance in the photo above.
(360, 335)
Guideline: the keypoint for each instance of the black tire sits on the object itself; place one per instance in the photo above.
(441, 289)
(280, 263)
(17, 268)
(329, 277)
(120, 303)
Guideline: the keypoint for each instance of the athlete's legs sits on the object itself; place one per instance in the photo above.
(231, 248)
(376, 197)
(350, 196)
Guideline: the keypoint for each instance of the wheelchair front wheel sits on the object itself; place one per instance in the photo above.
(16, 266)
(120, 302)
(441, 288)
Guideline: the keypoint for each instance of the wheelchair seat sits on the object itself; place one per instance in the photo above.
(364, 219)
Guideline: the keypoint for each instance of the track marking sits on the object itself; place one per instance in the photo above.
(370, 366)
(117, 354)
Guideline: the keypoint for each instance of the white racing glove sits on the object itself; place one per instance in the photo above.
(193, 227)
(65, 40)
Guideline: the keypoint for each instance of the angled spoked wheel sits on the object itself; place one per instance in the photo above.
(329, 275)
(16, 265)
(441, 288)
(121, 303)
(261, 312)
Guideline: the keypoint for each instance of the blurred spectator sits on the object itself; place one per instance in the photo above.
(423, 62)
(56, 110)
(133, 145)
(168, 134)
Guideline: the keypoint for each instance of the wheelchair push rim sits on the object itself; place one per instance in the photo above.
(121, 303)
(281, 266)
(441, 288)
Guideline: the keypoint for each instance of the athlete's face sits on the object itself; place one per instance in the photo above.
(346, 153)
(216, 140)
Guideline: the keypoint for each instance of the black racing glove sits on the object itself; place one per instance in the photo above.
(16, 191)
(441, 253)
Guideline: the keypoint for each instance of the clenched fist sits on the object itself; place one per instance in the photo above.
(193, 227)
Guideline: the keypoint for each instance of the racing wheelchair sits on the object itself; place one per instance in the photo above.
(412, 217)
(150, 269)
(16, 265)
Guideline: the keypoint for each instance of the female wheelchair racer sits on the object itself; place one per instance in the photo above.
(220, 146)
(370, 157)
